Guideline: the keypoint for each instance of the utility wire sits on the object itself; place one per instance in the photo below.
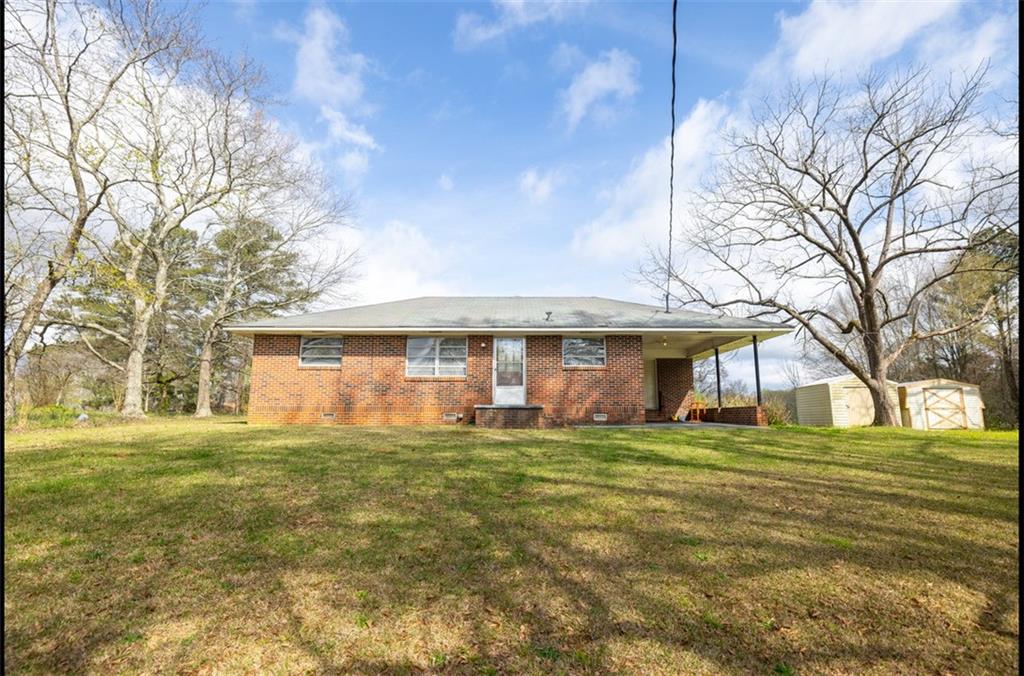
(671, 161)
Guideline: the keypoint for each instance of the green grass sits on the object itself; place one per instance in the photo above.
(184, 546)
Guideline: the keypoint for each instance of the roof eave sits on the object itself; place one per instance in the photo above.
(489, 330)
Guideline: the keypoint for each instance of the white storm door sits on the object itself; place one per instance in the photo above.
(509, 371)
(650, 384)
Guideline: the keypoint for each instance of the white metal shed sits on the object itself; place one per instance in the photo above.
(941, 404)
(842, 401)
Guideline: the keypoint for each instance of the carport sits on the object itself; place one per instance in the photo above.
(668, 374)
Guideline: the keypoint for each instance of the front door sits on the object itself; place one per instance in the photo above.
(509, 371)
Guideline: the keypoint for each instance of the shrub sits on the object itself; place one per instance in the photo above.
(52, 416)
(47, 417)
(777, 408)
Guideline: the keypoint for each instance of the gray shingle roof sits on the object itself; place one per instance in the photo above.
(508, 312)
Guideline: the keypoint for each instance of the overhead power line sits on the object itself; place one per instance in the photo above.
(671, 161)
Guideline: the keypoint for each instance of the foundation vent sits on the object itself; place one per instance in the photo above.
(327, 416)
(600, 417)
(451, 417)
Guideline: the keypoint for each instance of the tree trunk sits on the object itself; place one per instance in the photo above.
(58, 269)
(1009, 377)
(142, 316)
(205, 377)
(878, 367)
(16, 348)
(10, 366)
(885, 407)
(239, 384)
(131, 406)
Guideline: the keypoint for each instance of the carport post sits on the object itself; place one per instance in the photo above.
(757, 373)
(718, 378)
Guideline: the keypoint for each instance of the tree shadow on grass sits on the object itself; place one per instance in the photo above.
(511, 551)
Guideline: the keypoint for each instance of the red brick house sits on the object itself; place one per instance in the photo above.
(495, 361)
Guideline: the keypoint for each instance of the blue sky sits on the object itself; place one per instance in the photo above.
(519, 148)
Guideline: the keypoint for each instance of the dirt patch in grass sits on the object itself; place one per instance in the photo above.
(213, 546)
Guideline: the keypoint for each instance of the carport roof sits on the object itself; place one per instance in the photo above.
(530, 314)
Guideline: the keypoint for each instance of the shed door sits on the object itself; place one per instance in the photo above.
(860, 409)
(944, 408)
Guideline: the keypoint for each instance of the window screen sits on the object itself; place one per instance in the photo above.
(583, 352)
(324, 351)
(435, 356)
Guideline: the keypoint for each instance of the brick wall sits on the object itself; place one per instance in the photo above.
(737, 415)
(371, 386)
(574, 394)
(520, 417)
(675, 388)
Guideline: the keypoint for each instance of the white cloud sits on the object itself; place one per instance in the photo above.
(355, 164)
(445, 182)
(330, 74)
(399, 261)
(567, 58)
(326, 70)
(610, 80)
(637, 211)
(473, 30)
(537, 186)
(986, 43)
(343, 130)
(847, 36)
(245, 10)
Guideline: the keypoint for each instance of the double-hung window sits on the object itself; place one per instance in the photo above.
(320, 351)
(435, 356)
(579, 351)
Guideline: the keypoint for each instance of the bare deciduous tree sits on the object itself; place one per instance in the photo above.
(793, 373)
(841, 208)
(269, 257)
(50, 372)
(186, 143)
(64, 62)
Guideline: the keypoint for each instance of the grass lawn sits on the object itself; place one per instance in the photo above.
(216, 546)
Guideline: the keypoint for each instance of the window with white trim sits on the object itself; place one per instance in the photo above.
(320, 350)
(428, 356)
(581, 351)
